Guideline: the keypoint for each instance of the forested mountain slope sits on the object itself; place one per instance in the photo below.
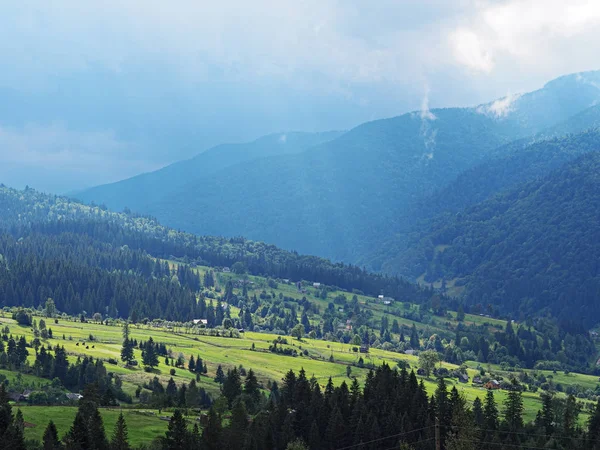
(135, 193)
(530, 250)
(91, 259)
(341, 198)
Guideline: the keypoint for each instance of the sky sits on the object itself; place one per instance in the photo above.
(93, 92)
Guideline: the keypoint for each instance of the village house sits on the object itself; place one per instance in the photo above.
(492, 384)
(74, 396)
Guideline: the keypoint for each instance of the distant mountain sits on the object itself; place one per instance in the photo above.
(345, 197)
(401, 253)
(530, 250)
(558, 100)
(140, 191)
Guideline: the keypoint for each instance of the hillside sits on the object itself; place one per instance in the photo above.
(92, 255)
(530, 250)
(139, 191)
(353, 189)
(518, 164)
(120, 266)
(207, 326)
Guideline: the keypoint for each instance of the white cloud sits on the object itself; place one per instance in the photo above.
(470, 51)
(530, 35)
(500, 108)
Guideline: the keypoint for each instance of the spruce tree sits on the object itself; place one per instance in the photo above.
(120, 439)
(232, 386)
(50, 440)
(570, 416)
(548, 412)
(127, 348)
(478, 416)
(14, 437)
(177, 436)
(219, 376)
(199, 367)
(211, 435)
(5, 411)
(593, 433)
(149, 355)
(77, 436)
(314, 438)
(238, 425)
(490, 411)
(251, 388)
(513, 408)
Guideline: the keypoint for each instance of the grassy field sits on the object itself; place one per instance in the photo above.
(143, 425)
(322, 359)
(230, 352)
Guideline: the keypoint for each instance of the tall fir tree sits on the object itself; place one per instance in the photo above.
(127, 349)
(50, 440)
(120, 437)
(177, 436)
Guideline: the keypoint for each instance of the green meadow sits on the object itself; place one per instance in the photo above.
(323, 359)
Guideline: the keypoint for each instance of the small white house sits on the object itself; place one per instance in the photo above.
(316, 285)
(200, 321)
(380, 297)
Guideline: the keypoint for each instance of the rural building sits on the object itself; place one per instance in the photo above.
(316, 285)
(73, 396)
(16, 397)
(492, 384)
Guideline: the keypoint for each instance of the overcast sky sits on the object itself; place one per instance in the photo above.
(94, 91)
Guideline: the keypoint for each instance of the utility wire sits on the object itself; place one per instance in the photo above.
(522, 433)
(387, 437)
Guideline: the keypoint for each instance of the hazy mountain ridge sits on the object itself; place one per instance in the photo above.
(137, 192)
(345, 197)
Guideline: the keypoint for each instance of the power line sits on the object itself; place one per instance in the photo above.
(503, 444)
(522, 433)
(395, 447)
(386, 437)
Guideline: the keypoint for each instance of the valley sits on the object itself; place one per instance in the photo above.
(460, 297)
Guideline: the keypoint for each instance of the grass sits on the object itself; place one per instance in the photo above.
(323, 360)
(230, 352)
(143, 425)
